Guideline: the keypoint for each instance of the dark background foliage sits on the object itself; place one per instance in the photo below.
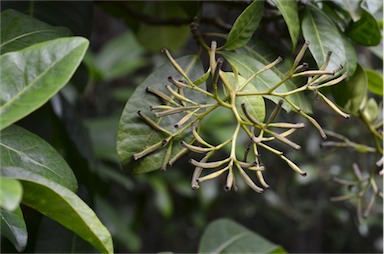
(158, 211)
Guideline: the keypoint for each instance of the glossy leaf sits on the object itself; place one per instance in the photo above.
(13, 227)
(62, 205)
(244, 26)
(288, 8)
(21, 148)
(254, 103)
(372, 6)
(31, 76)
(19, 31)
(247, 65)
(364, 31)
(375, 81)
(351, 6)
(371, 110)
(226, 236)
(351, 93)
(134, 135)
(324, 37)
(10, 193)
(351, 56)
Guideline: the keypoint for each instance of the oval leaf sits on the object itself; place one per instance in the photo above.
(365, 31)
(63, 206)
(375, 81)
(324, 37)
(351, 93)
(31, 76)
(254, 103)
(244, 26)
(288, 8)
(10, 193)
(134, 135)
(13, 227)
(21, 148)
(371, 110)
(19, 31)
(226, 236)
(247, 65)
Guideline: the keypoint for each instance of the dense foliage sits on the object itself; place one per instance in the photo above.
(247, 96)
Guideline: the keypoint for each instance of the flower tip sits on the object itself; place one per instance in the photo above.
(164, 50)
(195, 186)
(304, 174)
(227, 188)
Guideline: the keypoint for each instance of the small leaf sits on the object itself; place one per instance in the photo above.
(244, 26)
(226, 236)
(288, 8)
(30, 77)
(254, 103)
(324, 37)
(19, 31)
(13, 227)
(21, 148)
(375, 81)
(63, 206)
(371, 110)
(364, 31)
(10, 193)
(350, 94)
(134, 135)
(247, 65)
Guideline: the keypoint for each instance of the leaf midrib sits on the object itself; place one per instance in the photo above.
(30, 86)
(227, 243)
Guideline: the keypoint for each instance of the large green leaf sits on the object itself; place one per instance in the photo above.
(247, 65)
(288, 8)
(375, 81)
(134, 135)
(254, 103)
(62, 205)
(244, 26)
(31, 76)
(351, 93)
(19, 31)
(324, 37)
(10, 193)
(364, 31)
(13, 227)
(226, 236)
(21, 148)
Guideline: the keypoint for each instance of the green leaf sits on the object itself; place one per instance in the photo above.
(351, 57)
(10, 193)
(372, 6)
(226, 236)
(19, 31)
(30, 77)
(254, 103)
(134, 135)
(324, 37)
(375, 81)
(288, 8)
(351, 6)
(63, 206)
(247, 65)
(364, 31)
(21, 148)
(120, 56)
(371, 110)
(350, 94)
(244, 26)
(13, 227)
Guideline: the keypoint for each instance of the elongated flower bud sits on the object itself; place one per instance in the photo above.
(196, 149)
(213, 164)
(248, 180)
(333, 106)
(178, 156)
(293, 166)
(261, 179)
(230, 180)
(275, 112)
(176, 65)
(152, 123)
(212, 175)
(167, 156)
(179, 96)
(177, 83)
(198, 137)
(285, 140)
(249, 116)
(300, 54)
(162, 96)
(185, 118)
(147, 150)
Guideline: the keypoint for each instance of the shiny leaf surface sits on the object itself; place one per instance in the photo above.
(13, 227)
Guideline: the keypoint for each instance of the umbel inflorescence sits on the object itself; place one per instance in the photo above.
(246, 102)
